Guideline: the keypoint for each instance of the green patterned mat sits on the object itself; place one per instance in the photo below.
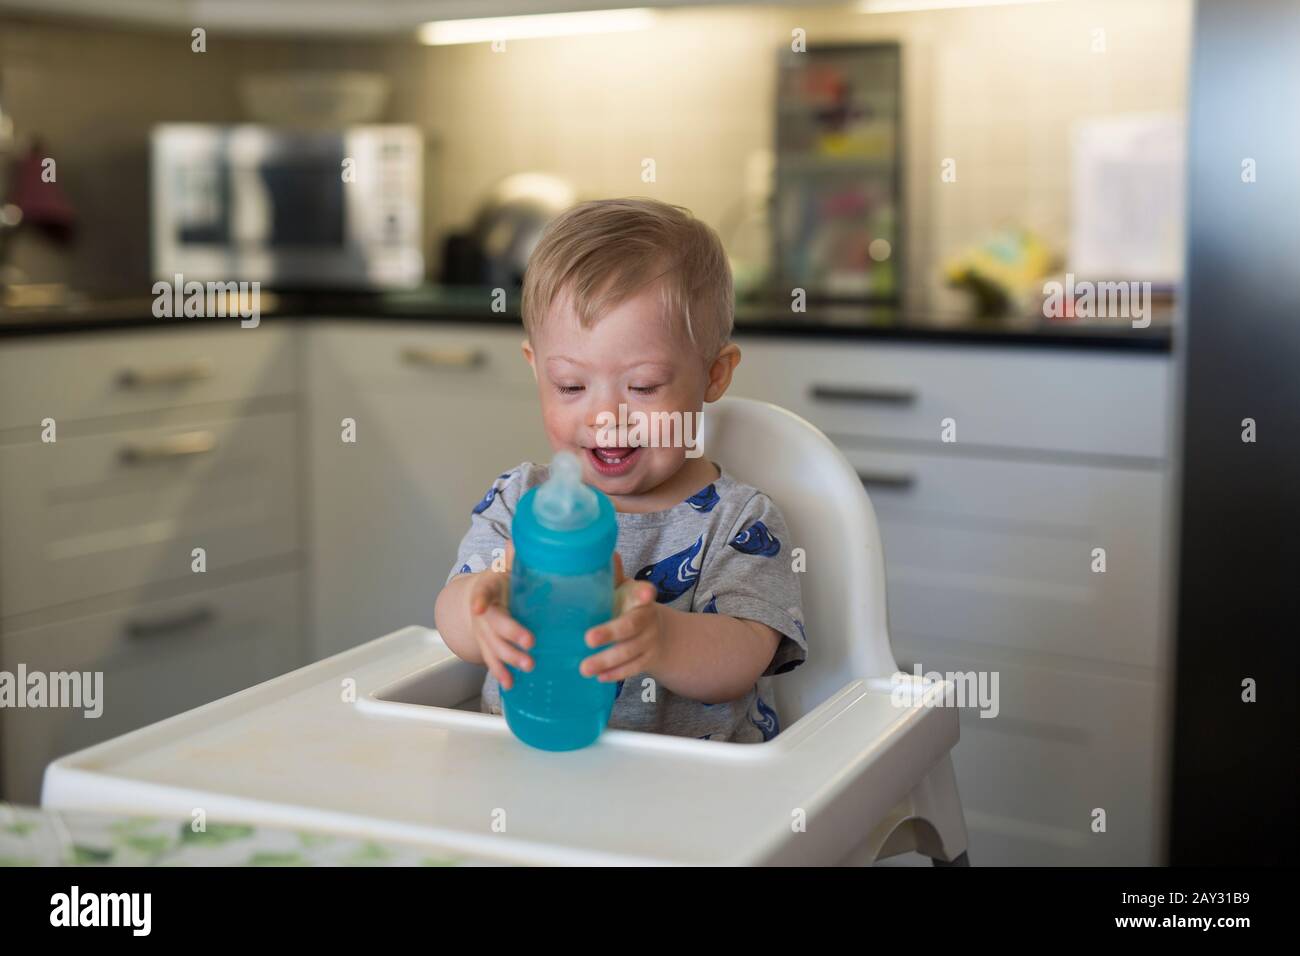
(34, 837)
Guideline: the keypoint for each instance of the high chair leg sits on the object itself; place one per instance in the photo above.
(928, 821)
(960, 860)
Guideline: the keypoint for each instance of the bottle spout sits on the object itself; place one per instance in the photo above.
(563, 501)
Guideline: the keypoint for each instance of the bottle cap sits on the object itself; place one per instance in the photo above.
(563, 502)
(563, 526)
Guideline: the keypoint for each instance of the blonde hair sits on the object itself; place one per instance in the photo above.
(601, 253)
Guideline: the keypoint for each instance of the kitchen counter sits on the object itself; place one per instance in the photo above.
(465, 304)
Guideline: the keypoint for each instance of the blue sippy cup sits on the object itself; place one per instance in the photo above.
(561, 585)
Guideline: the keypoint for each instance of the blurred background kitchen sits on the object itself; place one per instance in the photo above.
(201, 523)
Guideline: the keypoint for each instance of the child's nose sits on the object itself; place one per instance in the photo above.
(602, 412)
(602, 406)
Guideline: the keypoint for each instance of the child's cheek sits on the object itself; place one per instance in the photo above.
(555, 419)
(682, 422)
(664, 462)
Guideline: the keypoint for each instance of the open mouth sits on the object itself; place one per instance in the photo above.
(613, 461)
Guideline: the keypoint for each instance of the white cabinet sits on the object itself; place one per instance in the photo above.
(96, 513)
(439, 413)
(164, 443)
(991, 556)
(102, 374)
(999, 554)
(1001, 401)
(155, 659)
(1067, 741)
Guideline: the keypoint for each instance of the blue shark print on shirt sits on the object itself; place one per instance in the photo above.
(704, 500)
(483, 505)
(767, 723)
(465, 569)
(676, 574)
(756, 539)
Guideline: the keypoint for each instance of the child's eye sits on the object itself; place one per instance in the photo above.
(645, 389)
(568, 389)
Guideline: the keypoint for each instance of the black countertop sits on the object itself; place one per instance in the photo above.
(448, 304)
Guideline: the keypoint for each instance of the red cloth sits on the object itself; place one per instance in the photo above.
(43, 204)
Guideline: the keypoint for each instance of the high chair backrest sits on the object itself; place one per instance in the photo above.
(830, 517)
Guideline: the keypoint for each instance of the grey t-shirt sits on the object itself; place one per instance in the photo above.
(723, 550)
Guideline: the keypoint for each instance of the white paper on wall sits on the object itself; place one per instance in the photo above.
(1127, 198)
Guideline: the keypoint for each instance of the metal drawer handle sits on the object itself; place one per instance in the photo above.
(443, 358)
(177, 446)
(183, 374)
(184, 621)
(887, 479)
(879, 396)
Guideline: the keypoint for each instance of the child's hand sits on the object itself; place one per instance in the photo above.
(493, 629)
(636, 631)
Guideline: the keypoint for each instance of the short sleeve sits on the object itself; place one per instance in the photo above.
(489, 525)
(750, 576)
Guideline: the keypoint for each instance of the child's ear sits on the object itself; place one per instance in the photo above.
(721, 370)
(530, 357)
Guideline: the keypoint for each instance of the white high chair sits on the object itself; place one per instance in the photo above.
(830, 516)
(386, 740)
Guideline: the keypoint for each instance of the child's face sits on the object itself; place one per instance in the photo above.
(629, 356)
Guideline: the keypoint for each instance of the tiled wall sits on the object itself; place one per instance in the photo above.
(996, 88)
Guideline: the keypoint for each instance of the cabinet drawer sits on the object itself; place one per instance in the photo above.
(1023, 399)
(401, 496)
(1062, 744)
(157, 660)
(1000, 553)
(450, 363)
(98, 374)
(102, 513)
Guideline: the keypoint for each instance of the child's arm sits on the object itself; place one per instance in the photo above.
(451, 616)
(711, 658)
(472, 618)
(470, 612)
(711, 655)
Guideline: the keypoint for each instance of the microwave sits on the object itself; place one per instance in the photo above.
(291, 209)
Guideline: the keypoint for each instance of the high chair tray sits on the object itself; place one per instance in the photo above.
(354, 745)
